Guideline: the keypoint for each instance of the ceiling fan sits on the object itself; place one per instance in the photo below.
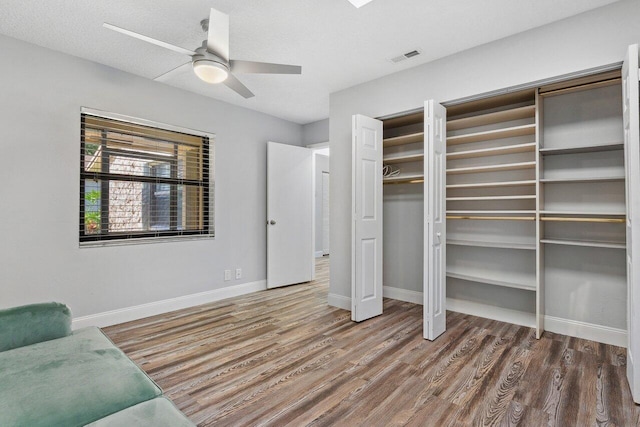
(211, 61)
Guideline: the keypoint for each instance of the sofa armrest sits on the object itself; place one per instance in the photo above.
(30, 324)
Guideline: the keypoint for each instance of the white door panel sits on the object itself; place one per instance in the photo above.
(290, 252)
(631, 122)
(366, 280)
(435, 140)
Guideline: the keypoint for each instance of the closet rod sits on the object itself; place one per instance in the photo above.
(499, 218)
(594, 85)
(573, 219)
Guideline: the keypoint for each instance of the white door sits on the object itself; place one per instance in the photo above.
(325, 213)
(630, 109)
(366, 264)
(435, 147)
(290, 257)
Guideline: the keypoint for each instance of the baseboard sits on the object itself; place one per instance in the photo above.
(335, 300)
(136, 312)
(402, 294)
(492, 312)
(587, 331)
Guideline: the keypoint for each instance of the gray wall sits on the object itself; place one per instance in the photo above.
(315, 132)
(585, 41)
(322, 165)
(42, 92)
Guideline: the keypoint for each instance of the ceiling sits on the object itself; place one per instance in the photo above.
(337, 44)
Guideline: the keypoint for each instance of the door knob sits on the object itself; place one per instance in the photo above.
(272, 222)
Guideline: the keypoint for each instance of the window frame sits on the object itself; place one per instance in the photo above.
(134, 237)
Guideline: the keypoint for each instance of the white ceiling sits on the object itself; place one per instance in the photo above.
(337, 45)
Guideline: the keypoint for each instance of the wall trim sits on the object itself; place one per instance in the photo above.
(588, 331)
(335, 300)
(402, 294)
(127, 314)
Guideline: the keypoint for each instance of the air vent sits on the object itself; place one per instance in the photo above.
(406, 56)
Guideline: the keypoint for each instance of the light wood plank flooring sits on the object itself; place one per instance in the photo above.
(283, 357)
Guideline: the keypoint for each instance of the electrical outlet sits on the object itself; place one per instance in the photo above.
(227, 275)
(238, 273)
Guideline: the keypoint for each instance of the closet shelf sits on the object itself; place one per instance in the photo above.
(404, 139)
(495, 151)
(491, 281)
(404, 179)
(583, 219)
(491, 184)
(528, 111)
(585, 243)
(492, 218)
(611, 146)
(585, 179)
(487, 244)
(470, 199)
(492, 134)
(581, 213)
(492, 168)
(494, 212)
(403, 159)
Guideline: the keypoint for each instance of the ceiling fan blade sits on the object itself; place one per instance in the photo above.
(174, 71)
(263, 67)
(149, 39)
(233, 83)
(218, 34)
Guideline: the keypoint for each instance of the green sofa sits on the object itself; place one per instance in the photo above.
(52, 376)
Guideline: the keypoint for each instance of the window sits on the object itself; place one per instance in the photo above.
(142, 181)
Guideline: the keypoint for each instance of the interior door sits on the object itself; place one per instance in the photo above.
(290, 257)
(631, 121)
(366, 265)
(435, 147)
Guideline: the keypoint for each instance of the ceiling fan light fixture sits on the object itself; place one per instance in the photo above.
(210, 71)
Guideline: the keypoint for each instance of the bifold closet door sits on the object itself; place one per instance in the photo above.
(631, 119)
(434, 294)
(366, 196)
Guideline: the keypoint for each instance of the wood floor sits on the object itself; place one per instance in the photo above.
(283, 357)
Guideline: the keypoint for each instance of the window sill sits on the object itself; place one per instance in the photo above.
(145, 241)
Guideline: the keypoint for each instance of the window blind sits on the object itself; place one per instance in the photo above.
(139, 181)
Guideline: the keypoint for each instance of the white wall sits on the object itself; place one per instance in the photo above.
(41, 95)
(585, 41)
(322, 165)
(315, 132)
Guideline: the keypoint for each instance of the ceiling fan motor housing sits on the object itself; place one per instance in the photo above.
(209, 67)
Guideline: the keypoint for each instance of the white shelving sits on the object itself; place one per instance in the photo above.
(493, 168)
(528, 286)
(610, 146)
(393, 159)
(404, 179)
(495, 151)
(491, 197)
(494, 198)
(580, 179)
(491, 184)
(492, 134)
(493, 244)
(585, 243)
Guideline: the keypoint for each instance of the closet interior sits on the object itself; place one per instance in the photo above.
(535, 204)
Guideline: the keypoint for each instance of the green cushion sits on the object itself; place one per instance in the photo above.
(29, 324)
(158, 412)
(70, 381)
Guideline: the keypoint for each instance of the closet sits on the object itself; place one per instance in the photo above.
(535, 204)
(542, 190)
